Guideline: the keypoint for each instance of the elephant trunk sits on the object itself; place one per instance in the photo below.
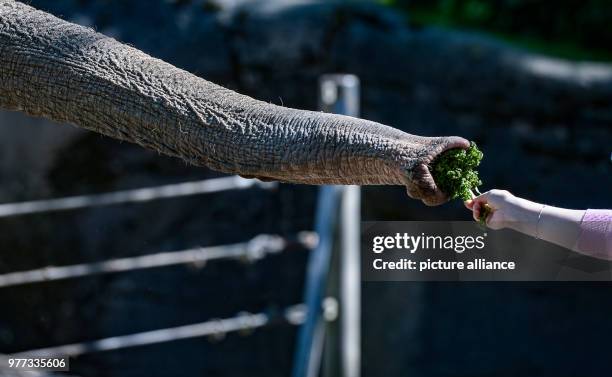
(68, 73)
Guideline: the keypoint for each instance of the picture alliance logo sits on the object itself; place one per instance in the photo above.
(412, 243)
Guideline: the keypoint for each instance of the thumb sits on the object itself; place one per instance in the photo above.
(481, 199)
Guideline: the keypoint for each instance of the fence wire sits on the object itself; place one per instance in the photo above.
(132, 196)
(216, 329)
(257, 248)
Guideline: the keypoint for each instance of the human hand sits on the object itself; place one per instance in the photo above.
(503, 206)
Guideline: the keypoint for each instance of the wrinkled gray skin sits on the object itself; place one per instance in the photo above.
(68, 73)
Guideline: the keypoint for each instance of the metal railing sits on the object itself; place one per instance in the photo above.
(132, 196)
(336, 223)
(215, 328)
(339, 94)
(311, 335)
(251, 251)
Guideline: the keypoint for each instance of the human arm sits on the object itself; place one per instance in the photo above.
(588, 232)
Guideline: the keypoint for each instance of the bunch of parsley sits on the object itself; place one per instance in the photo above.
(454, 171)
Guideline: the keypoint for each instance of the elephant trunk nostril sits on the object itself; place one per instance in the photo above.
(423, 185)
(447, 143)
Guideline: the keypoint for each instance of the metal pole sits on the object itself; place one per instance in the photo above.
(350, 283)
(340, 94)
(309, 347)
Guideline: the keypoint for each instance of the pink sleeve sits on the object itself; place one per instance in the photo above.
(596, 234)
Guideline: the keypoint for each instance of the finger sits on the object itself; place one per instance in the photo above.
(490, 220)
(469, 204)
(484, 197)
(481, 199)
(476, 211)
(485, 216)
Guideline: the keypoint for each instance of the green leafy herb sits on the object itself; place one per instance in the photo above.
(454, 171)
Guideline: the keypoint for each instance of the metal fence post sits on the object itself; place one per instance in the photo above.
(340, 94)
(350, 283)
(311, 335)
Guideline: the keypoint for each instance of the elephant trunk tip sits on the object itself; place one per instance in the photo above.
(423, 185)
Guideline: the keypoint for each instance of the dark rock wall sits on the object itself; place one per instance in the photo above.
(544, 125)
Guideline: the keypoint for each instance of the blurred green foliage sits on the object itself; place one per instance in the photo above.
(574, 29)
